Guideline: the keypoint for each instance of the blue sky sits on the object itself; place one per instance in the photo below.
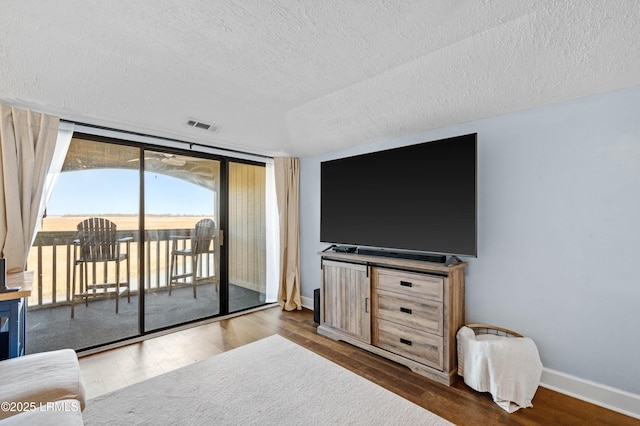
(114, 191)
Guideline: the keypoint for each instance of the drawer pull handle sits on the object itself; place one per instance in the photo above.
(406, 284)
(406, 310)
(405, 341)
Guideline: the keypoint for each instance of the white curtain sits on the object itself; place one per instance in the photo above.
(27, 144)
(65, 133)
(287, 177)
(273, 237)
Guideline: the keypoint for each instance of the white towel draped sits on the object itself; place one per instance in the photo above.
(508, 368)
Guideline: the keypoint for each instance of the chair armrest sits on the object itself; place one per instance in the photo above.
(127, 241)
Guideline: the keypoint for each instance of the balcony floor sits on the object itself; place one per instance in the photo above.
(96, 324)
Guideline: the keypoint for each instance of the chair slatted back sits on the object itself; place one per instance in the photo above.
(203, 235)
(97, 239)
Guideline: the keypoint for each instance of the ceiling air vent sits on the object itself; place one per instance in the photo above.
(201, 125)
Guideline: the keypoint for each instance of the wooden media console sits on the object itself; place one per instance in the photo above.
(408, 311)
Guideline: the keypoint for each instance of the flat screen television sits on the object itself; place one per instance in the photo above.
(416, 198)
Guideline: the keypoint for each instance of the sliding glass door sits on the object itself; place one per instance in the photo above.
(190, 236)
(182, 234)
(82, 274)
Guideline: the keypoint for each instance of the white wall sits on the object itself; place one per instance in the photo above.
(558, 231)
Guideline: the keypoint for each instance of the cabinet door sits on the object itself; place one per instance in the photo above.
(346, 299)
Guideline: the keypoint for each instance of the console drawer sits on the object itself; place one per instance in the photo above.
(425, 315)
(408, 342)
(418, 285)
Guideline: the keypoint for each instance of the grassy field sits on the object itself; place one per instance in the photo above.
(123, 222)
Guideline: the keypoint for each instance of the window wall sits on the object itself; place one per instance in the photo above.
(194, 226)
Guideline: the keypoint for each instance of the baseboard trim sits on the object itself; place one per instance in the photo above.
(307, 302)
(602, 395)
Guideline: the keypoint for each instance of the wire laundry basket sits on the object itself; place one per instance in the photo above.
(492, 329)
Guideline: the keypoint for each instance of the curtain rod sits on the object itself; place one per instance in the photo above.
(191, 144)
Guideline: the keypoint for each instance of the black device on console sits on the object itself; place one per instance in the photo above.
(345, 249)
(3, 278)
(426, 257)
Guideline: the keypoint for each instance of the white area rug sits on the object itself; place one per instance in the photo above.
(271, 381)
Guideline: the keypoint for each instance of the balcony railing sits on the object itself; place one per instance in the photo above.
(52, 257)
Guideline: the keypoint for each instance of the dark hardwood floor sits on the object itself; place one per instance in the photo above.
(459, 404)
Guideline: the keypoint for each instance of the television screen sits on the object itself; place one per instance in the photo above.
(419, 198)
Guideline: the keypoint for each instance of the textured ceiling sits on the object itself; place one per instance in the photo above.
(301, 77)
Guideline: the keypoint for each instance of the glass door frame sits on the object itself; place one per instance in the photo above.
(222, 226)
(223, 219)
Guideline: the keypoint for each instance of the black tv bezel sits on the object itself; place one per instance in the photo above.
(403, 252)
